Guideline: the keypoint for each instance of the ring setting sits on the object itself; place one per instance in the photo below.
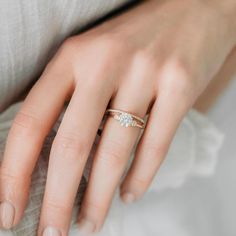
(126, 119)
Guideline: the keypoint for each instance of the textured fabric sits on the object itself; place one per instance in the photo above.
(31, 31)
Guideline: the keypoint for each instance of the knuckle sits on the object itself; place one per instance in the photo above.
(178, 78)
(140, 183)
(57, 207)
(8, 177)
(71, 141)
(112, 153)
(70, 52)
(70, 44)
(90, 205)
(110, 47)
(144, 63)
(11, 184)
(112, 43)
(24, 120)
(25, 123)
(12, 179)
(143, 59)
(155, 151)
(64, 60)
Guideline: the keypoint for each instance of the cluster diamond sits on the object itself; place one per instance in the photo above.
(125, 119)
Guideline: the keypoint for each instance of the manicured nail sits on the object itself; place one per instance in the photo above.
(86, 227)
(7, 214)
(128, 197)
(50, 231)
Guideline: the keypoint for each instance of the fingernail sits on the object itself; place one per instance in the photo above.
(50, 231)
(7, 213)
(86, 227)
(128, 197)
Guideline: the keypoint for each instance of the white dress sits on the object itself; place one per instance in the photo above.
(31, 32)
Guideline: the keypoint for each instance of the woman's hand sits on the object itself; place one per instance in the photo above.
(157, 57)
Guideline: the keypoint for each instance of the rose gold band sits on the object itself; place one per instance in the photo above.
(126, 119)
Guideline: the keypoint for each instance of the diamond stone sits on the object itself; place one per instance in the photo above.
(125, 119)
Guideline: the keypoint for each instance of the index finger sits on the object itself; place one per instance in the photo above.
(29, 129)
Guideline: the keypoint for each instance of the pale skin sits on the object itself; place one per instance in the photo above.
(156, 58)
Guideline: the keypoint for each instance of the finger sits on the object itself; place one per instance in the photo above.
(69, 153)
(164, 119)
(110, 159)
(31, 125)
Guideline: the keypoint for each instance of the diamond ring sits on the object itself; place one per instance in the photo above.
(126, 119)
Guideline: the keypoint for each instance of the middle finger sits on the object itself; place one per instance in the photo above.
(111, 158)
(68, 156)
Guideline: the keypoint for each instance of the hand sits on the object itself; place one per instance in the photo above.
(157, 57)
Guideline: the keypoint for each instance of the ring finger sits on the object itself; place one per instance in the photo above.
(111, 158)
